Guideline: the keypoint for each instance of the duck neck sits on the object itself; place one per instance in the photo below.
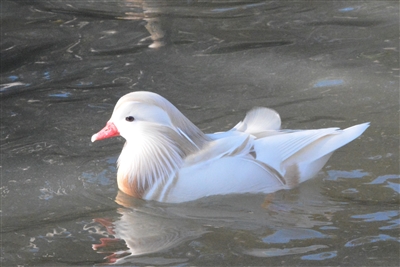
(151, 159)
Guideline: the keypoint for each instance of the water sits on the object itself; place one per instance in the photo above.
(64, 64)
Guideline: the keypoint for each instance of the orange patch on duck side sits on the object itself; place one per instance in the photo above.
(292, 176)
(131, 189)
(267, 201)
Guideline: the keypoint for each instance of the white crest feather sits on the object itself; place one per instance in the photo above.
(192, 132)
(258, 120)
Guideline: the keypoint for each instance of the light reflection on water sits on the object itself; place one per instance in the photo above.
(320, 64)
(150, 228)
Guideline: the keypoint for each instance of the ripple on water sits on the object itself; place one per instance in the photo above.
(370, 239)
(286, 235)
(320, 256)
(273, 252)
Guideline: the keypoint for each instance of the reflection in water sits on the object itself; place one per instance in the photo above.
(145, 230)
(151, 227)
(160, 15)
(157, 23)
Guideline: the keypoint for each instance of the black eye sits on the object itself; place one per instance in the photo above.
(130, 118)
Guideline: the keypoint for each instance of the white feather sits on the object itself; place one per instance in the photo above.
(258, 120)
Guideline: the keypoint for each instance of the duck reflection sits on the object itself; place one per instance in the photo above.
(145, 229)
(157, 23)
(283, 219)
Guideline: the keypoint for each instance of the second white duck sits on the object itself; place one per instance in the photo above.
(168, 159)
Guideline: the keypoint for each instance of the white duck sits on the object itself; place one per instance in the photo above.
(168, 159)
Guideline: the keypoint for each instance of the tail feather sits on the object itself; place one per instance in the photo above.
(326, 145)
(307, 150)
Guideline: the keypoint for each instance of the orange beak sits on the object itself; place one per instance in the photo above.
(108, 131)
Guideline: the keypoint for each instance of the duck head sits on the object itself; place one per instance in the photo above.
(158, 138)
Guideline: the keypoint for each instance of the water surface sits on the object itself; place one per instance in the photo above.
(64, 64)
